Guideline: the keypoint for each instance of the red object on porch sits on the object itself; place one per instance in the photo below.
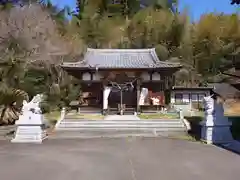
(159, 95)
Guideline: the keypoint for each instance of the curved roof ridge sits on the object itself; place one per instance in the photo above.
(154, 55)
(121, 50)
(123, 58)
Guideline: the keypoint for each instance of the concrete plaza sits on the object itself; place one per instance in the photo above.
(117, 159)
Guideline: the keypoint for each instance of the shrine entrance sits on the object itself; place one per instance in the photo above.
(123, 96)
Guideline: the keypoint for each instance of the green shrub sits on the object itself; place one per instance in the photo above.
(45, 107)
(235, 129)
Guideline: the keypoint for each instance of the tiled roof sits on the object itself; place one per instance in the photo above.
(193, 88)
(235, 73)
(121, 58)
(225, 90)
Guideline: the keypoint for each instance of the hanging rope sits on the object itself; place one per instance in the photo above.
(127, 86)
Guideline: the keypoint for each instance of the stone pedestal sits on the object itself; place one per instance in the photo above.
(216, 133)
(30, 126)
(215, 127)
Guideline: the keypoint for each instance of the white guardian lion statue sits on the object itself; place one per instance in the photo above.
(208, 102)
(33, 105)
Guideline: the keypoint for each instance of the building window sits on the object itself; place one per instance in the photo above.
(156, 76)
(201, 96)
(116, 1)
(86, 76)
(179, 98)
(186, 98)
(145, 76)
(194, 97)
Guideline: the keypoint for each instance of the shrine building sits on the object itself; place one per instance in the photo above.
(130, 79)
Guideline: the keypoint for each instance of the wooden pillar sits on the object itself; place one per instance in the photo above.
(174, 80)
(166, 82)
(138, 95)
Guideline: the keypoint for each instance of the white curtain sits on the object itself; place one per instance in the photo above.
(143, 95)
(156, 76)
(86, 76)
(106, 93)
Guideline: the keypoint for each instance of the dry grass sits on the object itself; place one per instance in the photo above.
(185, 137)
(158, 116)
(52, 119)
(232, 108)
(86, 116)
(52, 116)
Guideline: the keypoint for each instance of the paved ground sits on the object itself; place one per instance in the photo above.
(117, 159)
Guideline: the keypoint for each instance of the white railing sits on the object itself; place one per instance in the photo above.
(62, 116)
(185, 122)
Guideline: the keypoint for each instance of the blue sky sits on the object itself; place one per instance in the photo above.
(195, 7)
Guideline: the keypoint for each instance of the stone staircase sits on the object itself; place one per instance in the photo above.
(117, 126)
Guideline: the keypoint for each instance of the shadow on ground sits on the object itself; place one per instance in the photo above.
(195, 130)
(233, 146)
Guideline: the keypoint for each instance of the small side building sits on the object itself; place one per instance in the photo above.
(188, 98)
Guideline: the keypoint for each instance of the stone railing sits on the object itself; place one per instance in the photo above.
(62, 116)
(185, 122)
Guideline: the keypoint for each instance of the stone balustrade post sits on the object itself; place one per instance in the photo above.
(215, 126)
(62, 116)
(63, 112)
(181, 116)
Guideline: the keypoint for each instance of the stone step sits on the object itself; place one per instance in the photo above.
(107, 128)
(122, 127)
(70, 123)
(114, 133)
(128, 111)
(124, 113)
(67, 119)
(120, 121)
(128, 129)
(76, 125)
(128, 124)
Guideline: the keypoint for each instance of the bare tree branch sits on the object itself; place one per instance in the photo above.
(36, 31)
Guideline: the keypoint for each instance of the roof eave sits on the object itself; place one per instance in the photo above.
(117, 68)
(193, 88)
(233, 74)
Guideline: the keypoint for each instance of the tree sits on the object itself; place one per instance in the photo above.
(11, 73)
(29, 40)
(235, 2)
(97, 18)
(216, 37)
(160, 4)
